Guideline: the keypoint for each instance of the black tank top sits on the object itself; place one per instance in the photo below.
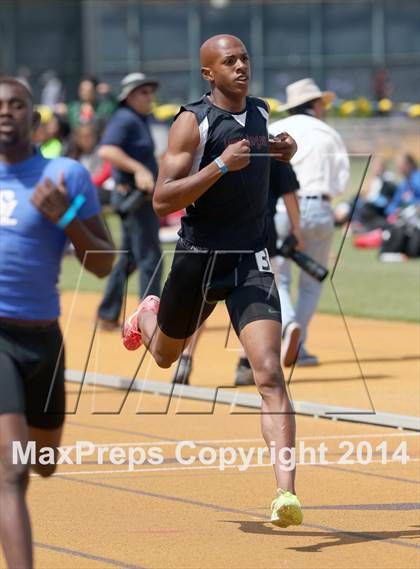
(231, 215)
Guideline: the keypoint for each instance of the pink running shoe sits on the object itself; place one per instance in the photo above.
(131, 333)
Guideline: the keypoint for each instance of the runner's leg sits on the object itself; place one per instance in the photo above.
(261, 341)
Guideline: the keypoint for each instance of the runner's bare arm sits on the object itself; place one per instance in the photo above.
(93, 244)
(175, 189)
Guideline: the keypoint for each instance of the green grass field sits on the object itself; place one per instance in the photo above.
(365, 287)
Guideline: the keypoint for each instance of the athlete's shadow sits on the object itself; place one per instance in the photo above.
(378, 360)
(333, 379)
(329, 538)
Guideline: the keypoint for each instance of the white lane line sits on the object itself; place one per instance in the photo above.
(258, 439)
(175, 468)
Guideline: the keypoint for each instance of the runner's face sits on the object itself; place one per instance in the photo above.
(16, 115)
(231, 69)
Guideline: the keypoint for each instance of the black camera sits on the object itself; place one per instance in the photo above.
(307, 264)
(129, 201)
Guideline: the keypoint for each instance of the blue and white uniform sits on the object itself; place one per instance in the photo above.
(31, 247)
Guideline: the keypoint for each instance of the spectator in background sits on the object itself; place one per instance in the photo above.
(381, 87)
(95, 103)
(369, 210)
(52, 89)
(84, 148)
(382, 182)
(408, 191)
(402, 237)
(52, 134)
(321, 165)
(128, 145)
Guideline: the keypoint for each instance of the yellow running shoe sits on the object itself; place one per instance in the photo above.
(286, 510)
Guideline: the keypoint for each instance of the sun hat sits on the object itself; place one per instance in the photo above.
(303, 91)
(132, 81)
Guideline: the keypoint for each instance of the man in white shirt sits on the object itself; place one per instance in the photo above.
(321, 165)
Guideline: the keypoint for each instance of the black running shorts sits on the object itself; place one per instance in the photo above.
(32, 374)
(199, 278)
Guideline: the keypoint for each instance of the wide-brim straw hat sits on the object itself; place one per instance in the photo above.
(303, 91)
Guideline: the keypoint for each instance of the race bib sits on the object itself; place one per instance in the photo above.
(263, 261)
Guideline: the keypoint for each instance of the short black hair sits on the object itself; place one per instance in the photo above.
(302, 109)
(64, 129)
(16, 82)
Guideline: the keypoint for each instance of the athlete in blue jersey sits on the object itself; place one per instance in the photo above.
(43, 205)
(217, 167)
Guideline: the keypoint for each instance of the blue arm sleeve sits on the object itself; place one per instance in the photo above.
(78, 181)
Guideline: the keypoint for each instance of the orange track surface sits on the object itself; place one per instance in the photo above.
(174, 516)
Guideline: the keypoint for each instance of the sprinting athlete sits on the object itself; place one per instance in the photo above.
(217, 167)
(43, 205)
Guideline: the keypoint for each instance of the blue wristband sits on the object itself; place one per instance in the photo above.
(221, 165)
(71, 213)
